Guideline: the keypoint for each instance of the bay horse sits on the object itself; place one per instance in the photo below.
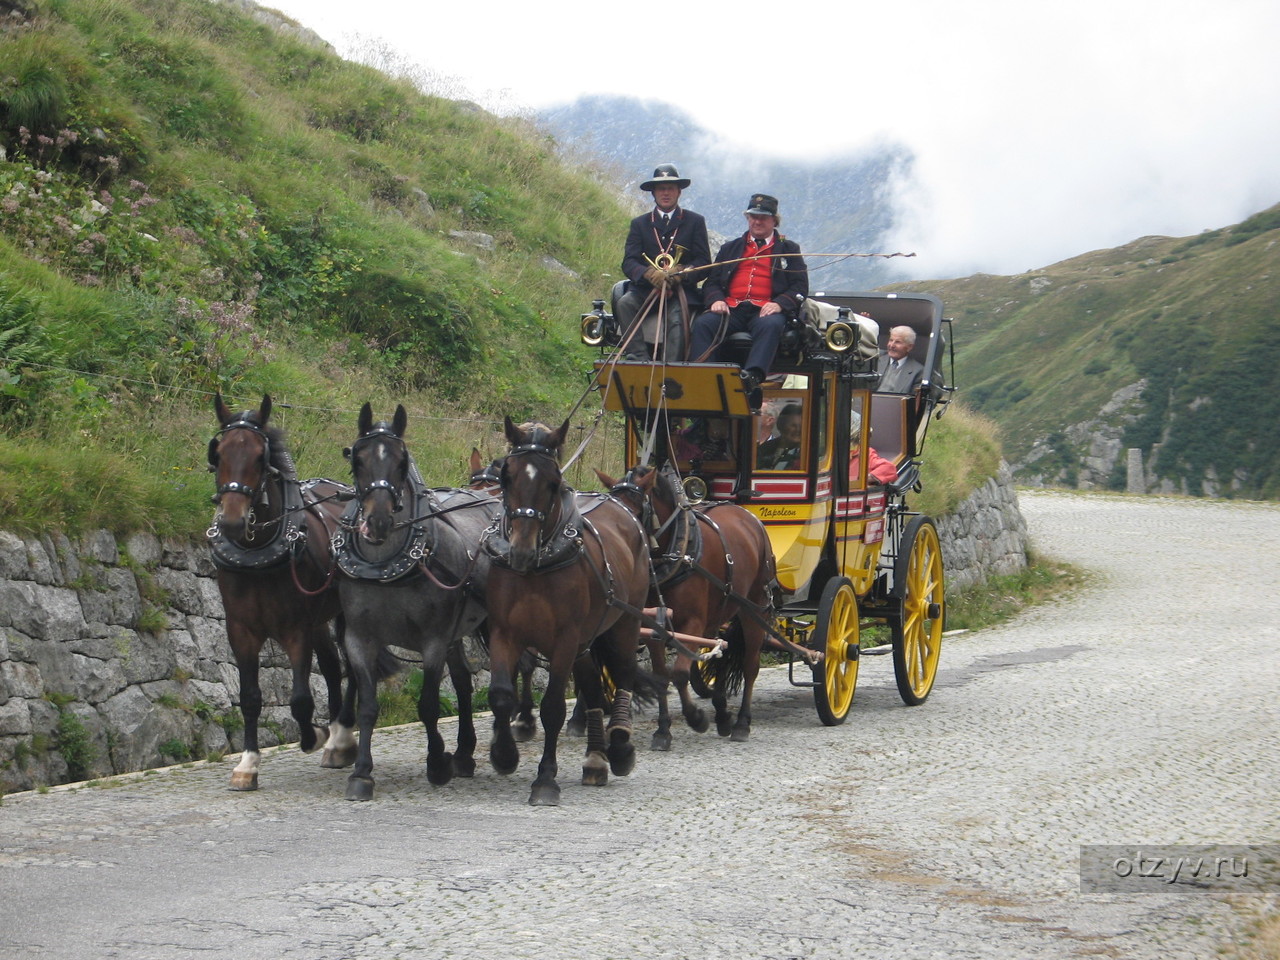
(413, 576)
(488, 477)
(270, 543)
(713, 568)
(569, 579)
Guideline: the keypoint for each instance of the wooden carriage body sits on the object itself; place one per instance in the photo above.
(843, 541)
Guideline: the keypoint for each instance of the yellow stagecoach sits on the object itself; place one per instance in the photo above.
(848, 547)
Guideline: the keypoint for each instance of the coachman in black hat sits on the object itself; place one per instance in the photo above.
(661, 247)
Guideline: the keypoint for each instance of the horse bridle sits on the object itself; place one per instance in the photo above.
(235, 486)
(528, 513)
(380, 430)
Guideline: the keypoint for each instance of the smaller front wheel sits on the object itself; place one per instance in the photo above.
(836, 633)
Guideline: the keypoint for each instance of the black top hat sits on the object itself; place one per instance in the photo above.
(763, 205)
(665, 173)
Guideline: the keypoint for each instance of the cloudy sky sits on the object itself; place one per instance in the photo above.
(1041, 130)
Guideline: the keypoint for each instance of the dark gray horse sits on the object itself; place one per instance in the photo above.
(413, 577)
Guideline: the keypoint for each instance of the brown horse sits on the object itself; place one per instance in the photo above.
(714, 568)
(487, 478)
(569, 579)
(270, 542)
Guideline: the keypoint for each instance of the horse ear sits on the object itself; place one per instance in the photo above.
(264, 411)
(514, 436)
(645, 480)
(608, 481)
(220, 409)
(365, 423)
(213, 454)
(400, 422)
(559, 435)
(476, 463)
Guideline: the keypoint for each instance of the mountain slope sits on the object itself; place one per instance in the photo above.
(1168, 345)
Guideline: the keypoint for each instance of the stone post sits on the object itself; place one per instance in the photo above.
(1137, 476)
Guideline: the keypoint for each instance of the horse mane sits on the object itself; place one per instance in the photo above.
(534, 432)
(280, 459)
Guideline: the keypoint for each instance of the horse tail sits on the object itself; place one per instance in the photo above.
(649, 688)
(388, 664)
(727, 670)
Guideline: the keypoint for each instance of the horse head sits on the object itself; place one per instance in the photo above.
(380, 472)
(485, 478)
(240, 457)
(531, 489)
(633, 491)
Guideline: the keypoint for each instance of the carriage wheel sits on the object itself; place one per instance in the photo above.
(836, 632)
(917, 634)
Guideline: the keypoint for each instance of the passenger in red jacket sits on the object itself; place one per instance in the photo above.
(879, 470)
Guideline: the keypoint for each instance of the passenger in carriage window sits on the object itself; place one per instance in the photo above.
(758, 281)
(879, 470)
(666, 229)
(704, 439)
(767, 420)
(899, 372)
(783, 451)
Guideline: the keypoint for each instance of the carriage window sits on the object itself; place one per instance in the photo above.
(705, 439)
(784, 450)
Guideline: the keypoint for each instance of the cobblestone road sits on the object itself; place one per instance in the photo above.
(1141, 712)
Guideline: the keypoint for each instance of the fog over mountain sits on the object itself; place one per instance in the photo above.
(834, 205)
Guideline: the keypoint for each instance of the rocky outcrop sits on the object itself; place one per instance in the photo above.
(114, 657)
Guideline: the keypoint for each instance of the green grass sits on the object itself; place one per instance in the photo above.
(1002, 598)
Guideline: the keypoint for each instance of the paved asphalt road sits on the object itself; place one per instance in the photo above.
(1140, 713)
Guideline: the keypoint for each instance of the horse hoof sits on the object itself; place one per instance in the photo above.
(740, 734)
(360, 788)
(697, 720)
(622, 757)
(464, 766)
(320, 738)
(576, 728)
(504, 761)
(244, 780)
(546, 795)
(595, 770)
(724, 729)
(336, 758)
(523, 731)
(660, 742)
(440, 770)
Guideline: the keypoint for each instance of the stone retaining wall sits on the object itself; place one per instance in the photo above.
(114, 658)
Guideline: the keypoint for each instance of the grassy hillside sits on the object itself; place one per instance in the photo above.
(191, 201)
(1195, 319)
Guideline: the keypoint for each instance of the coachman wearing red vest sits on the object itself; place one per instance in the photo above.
(757, 282)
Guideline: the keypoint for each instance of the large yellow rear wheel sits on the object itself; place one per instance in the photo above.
(836, 632)
(917, 634)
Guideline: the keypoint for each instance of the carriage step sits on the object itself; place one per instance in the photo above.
(879, 651)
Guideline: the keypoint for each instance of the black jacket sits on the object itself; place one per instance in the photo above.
(790, 274)
(688, 229)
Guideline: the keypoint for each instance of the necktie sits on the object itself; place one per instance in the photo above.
(893, 365)
(666, 222)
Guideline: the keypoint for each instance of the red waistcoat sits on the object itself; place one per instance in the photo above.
(753, 280)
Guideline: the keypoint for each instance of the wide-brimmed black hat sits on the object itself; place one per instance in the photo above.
(665, 173)
(763, 205)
